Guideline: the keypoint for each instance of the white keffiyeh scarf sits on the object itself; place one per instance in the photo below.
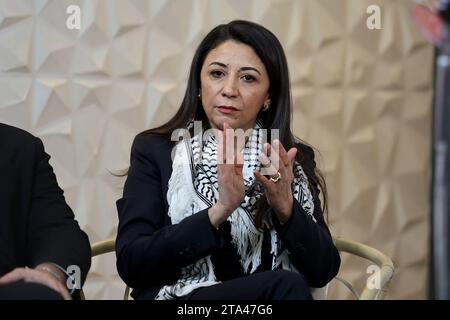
(193, 187)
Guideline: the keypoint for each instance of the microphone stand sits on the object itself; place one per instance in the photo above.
(441, 172)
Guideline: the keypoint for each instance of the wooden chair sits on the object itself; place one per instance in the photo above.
(384, 263)
(103, 247)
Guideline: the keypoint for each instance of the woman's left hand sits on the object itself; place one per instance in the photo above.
(278, 164)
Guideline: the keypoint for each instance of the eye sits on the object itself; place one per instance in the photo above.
(248, 78)
(216, 74)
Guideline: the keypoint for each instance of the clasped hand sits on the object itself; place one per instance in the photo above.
(38, 275)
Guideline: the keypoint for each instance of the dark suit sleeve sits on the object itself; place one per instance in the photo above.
(53, 233)
(150, 250)
(310, 244)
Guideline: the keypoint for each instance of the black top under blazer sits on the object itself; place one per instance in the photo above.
(151, 251)
(36, 224)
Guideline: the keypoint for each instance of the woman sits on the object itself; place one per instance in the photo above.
(203, 217)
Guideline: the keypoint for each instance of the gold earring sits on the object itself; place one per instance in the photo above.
(266, 105)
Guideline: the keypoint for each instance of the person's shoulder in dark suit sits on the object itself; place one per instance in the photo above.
(15, 143)
(36, 224)
(152, 144)
(151, 151)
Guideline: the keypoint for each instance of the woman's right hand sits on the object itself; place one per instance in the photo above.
(230, 179)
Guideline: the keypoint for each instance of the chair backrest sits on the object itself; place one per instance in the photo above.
(102, 247)
(385, 264)
(385, 268)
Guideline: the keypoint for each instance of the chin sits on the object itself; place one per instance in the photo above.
(218, 122)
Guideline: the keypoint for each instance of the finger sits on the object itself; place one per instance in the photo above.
(240, 139)
(265, 162)
(67, 296)
(263, 180)
(223, 170)
(64, 292)
(291, 154)
(273, 156)
(274, 160)
(13, 276)
(267, 167)
(239, 163)
(229, 144)
(278, 146)
(220, 148)
(266, 149)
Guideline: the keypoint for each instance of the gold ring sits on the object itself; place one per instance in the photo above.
(278, 178)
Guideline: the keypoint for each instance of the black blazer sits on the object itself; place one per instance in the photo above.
(36, 224)
(151, 251)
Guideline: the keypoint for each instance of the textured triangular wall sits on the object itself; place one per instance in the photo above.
(362, 97)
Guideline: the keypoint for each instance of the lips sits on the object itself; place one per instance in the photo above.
(227, 109)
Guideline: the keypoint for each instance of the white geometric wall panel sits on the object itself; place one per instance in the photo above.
(361, 97)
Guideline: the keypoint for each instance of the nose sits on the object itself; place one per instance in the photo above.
(230, 89)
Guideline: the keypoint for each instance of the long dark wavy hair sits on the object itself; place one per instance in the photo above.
(270, 51)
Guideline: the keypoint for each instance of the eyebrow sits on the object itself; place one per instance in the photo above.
(241, 69)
